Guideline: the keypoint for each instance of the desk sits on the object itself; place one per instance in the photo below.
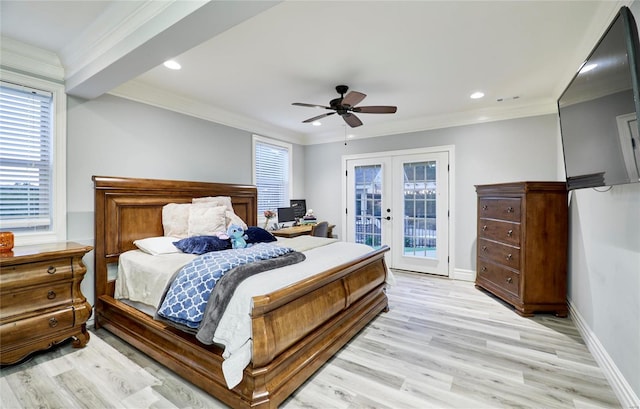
(293, 231)
(301, 230)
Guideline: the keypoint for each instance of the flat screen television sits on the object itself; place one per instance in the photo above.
(599, 110)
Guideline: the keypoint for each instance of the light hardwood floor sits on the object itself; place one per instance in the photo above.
(443, 344)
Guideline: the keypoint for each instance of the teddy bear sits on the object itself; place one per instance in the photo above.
(237, 236)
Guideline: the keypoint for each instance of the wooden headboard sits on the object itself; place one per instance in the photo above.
(127, 209)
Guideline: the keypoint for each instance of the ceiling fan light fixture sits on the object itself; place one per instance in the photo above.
(316, 123)
(345, 106)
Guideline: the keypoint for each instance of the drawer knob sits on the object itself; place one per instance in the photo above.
(485, 207)
(509, 257)
(510, 233)
(484, 248)
(483, 268)
(509, 280)
(51, 270)
(51, 294)
(53, 322)
(484, 228)
(509, 209)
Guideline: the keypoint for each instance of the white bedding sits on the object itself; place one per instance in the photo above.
(143, 278)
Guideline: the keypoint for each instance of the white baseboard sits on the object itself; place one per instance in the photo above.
(463, 275)
(626, 395)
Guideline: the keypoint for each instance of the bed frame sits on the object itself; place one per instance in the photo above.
(295, 329)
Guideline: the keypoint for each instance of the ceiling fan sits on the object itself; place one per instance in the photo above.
(345, 106)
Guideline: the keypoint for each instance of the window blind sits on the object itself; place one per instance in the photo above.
(25, 158)
(272, 176)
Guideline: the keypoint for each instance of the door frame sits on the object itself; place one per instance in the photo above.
(450, 149)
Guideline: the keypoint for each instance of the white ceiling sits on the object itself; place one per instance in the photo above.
(245, 62)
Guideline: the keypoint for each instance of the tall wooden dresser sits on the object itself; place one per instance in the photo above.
(522, 245)
(41, 303)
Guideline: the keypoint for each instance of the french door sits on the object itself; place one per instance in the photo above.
(401, 200)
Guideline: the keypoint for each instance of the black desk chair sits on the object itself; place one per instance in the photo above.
(320, 230)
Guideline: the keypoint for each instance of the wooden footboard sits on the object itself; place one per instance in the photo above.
(295, 329)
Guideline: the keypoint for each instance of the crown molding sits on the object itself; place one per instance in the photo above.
(143, 93)
(22, 57)
(140, 92)
(539, 107)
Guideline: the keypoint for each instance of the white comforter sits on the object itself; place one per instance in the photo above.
(142, 278)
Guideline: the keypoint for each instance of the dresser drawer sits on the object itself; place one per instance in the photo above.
(40, 326)
(34, 298)
(20, 275)
(503, 232)
(499, 208)
(500, 276)
(499, 253)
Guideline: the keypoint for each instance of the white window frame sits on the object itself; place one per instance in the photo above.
(270, 141)
(58, 231)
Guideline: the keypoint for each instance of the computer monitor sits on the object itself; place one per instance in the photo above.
(286, 216)
(299, 207)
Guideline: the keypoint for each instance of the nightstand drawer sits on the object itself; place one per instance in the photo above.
(19, 275)
(500, 208)
(499, 253)
(502, 277)
(503, 232)
(33, 299)
(36, 327)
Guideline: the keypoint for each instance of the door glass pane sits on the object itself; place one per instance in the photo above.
(368, 199)
(420, 209)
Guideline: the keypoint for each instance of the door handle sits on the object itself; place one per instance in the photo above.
(388, 218)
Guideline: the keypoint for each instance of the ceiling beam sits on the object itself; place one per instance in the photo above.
(171, 31)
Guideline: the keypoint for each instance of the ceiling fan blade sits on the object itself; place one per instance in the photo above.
(317, 117)
(301, 104)
(353, 98)
(376, 110)
(352, 120)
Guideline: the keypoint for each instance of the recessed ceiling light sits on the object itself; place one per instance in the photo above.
(476, 95)
(172, 65)
(316, 123)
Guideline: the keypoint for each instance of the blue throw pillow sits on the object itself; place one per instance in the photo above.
(202, 244)
(258, 235)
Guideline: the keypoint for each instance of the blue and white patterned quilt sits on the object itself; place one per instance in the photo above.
(186, 299)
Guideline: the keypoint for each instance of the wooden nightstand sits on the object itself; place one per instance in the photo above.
(41, 303)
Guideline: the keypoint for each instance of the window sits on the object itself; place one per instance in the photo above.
(272, 173)
(32, 175)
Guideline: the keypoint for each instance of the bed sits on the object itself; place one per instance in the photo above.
(295, 329)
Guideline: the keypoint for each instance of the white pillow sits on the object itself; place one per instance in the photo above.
(206, 220)
(233, 218)
(175, 219)
(218, 200)
(157, 245)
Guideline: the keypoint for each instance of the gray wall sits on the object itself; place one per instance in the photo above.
(494, 152)
(604, 271)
